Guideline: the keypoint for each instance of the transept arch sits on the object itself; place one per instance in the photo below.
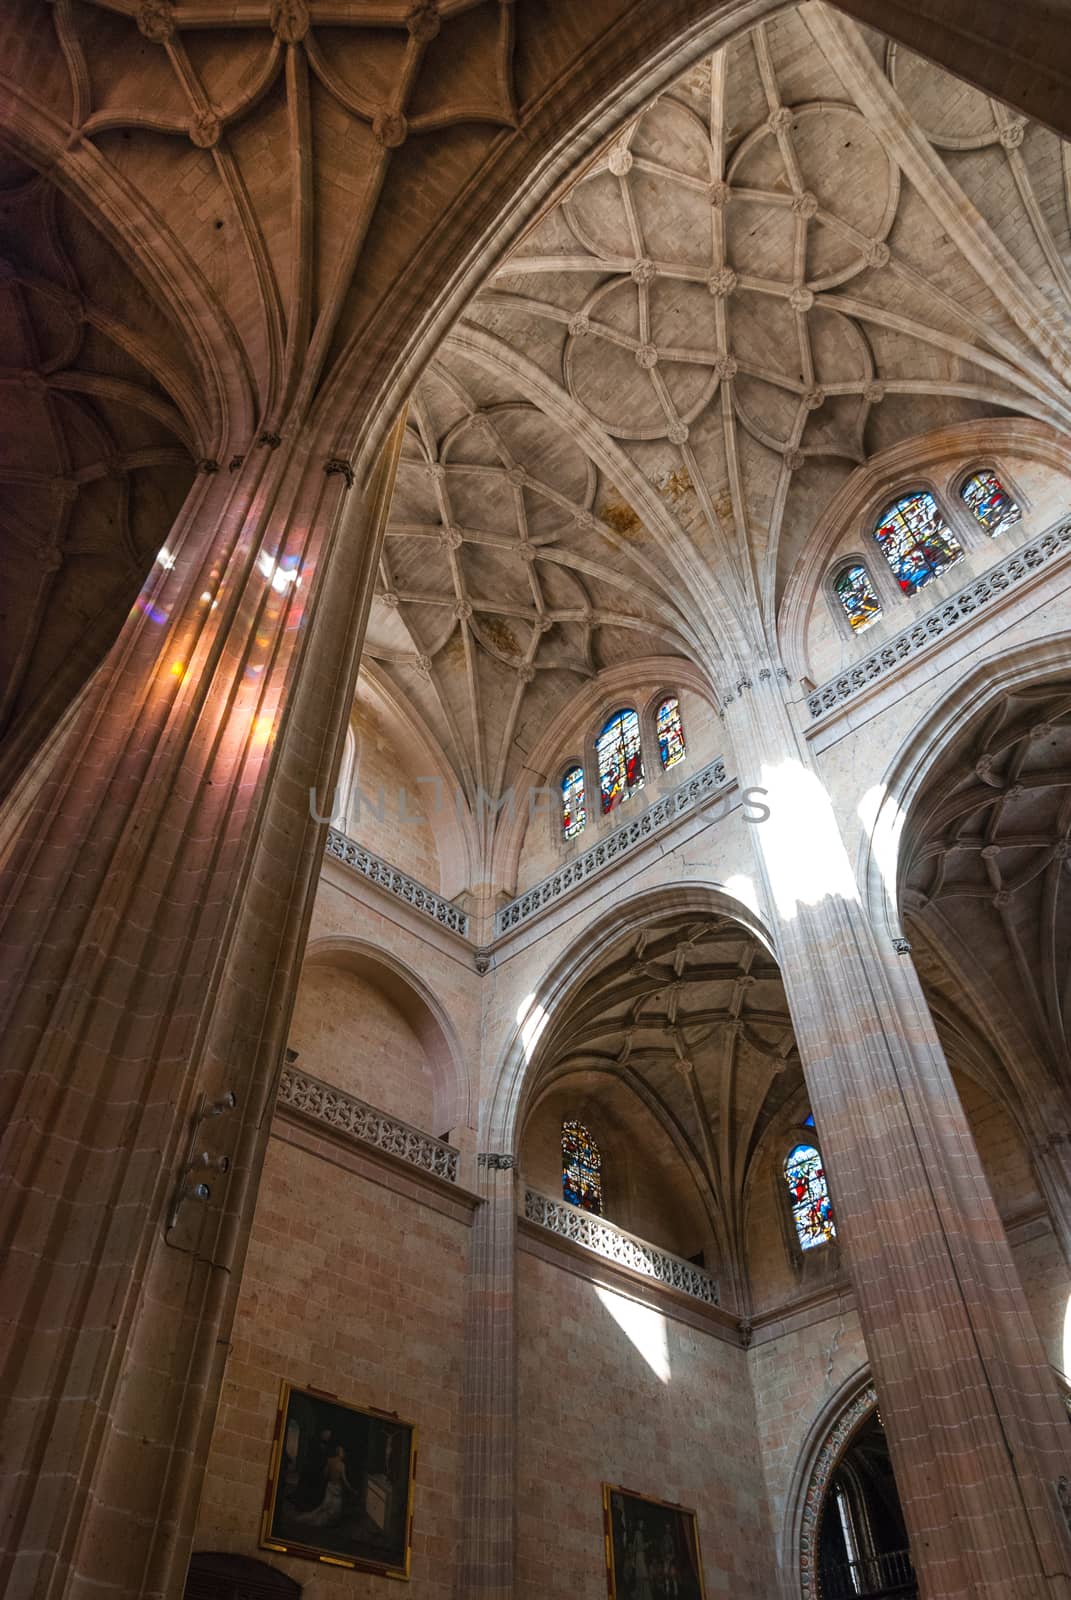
(548, 1002)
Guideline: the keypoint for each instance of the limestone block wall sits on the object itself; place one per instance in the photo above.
(387, 810)
(348, 912)
(1046, 1282)
(796, 1367)
(613, 1389)
(349, 1033)
(357, 1288)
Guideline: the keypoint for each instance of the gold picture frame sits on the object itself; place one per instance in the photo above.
(340, 1483)
(652, 1547)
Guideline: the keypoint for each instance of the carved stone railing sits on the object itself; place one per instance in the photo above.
(299, 1092)
(950, 614)
(376, 870)
(614, 1244)
(687, 796)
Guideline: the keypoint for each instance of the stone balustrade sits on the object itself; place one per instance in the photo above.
(300, 1092)
(614, 1244)
(606, 852)
(396, 882)
(934, 624)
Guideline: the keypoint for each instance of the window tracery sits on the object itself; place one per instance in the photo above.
(989, 502)
(916, 541)
(620, 759)
(581, 1168)
(574, 802)
(855, 590)
(671, 743)
(812, 1210)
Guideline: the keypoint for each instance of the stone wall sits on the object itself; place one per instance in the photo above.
(356, 1286)
(612, 1389)
(387, 810)
(348, 1033)
(796, 1368)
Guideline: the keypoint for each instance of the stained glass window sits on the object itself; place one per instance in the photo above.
(620, 761)
(671, 747)
(916, 541)
(808, 1121)
(574, 802)
(986, 497)
(811, 1209)
(581, 1168)
(856, 594)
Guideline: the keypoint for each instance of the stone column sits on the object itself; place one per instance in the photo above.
(488, 1501)
(155, 908)
(977, 1430)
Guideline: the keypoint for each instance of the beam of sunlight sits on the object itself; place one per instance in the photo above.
(531, 1019)
(742, 888)
(806, 861)
(1067, 1339)
(646, 1329)
(884, 834)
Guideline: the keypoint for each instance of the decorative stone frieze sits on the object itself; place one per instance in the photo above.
(607, 852)
(299, 1092)
(378, 871)
(495, 1162)
(936, 623)
(614, 1244)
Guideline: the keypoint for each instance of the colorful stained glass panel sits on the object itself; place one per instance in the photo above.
(987, 499)
(812, 1211)
(671, 746)
(620, 761)
(916, 541)
(574, 802)
(856, 594)
(581, 1168)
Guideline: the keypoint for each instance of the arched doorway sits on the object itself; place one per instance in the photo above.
(853, 1542)
(862, 1540)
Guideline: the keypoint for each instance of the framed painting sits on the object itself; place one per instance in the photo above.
(340, 1487)
(652, 1547)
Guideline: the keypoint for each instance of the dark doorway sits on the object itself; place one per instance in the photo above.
(219, 1575)
(862, 1542)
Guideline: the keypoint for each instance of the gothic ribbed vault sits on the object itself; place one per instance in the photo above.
(814, 246)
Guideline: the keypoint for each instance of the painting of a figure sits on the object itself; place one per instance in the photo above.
(652, 1548)
(341, 1483)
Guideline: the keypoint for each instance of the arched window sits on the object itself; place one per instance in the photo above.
(856, 594)
(987, 499)
(581, 1168)
(574, 803)
(811, 1209)
(620, 761)
(671, 746)
(916, 541)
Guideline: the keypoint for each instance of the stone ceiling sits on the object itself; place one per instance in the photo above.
(98, 450)
(809, 249)
(690, 1014)
(987, 880)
